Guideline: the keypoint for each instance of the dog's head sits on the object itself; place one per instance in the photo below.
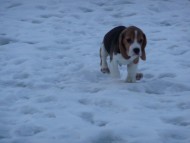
(132, 41)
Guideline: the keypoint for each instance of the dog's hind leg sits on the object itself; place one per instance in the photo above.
(103, 60)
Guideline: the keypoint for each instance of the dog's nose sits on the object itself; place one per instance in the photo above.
(136, 50)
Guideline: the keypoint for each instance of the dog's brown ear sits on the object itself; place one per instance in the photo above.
(122, 45)
(143, 56)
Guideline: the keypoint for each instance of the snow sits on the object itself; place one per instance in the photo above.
(51, 87)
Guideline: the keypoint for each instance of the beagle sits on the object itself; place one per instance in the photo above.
(124, 46)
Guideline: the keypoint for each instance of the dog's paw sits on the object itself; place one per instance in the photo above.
(139, 76)
(105, 70)
(130, 79)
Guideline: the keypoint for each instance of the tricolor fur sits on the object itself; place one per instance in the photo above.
(124, 46)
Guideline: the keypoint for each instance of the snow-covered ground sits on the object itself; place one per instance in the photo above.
(51, 87)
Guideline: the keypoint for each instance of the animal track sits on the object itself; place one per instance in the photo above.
(108, 137)
(184, 105)
(31, 42)
(5, 41)
(173, 47)
(29, 130)
(50, 115)
(14, 5)
(100, 123)
(46, 99)
(159, 39)
(165, 75)
(148, 76)
(154, 9)
(19, 61)
(84, 101)
(41, 7)
(86, 10)
(165, 23)
(99, 3)
(21, 76)
(131, 14)
(29, 110)
(165, 86)
(93, 90)
(51, 15)
(173, 136)
(4, 132)
(36, 21)
(89, 117)
(108, 9)
(178, 121)
(100, 103)
(123, 2)
(159, 86)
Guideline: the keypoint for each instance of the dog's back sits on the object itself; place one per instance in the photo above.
(111, 39)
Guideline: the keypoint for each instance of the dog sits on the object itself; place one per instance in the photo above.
(124, 46)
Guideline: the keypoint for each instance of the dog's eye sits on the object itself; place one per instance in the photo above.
(140, 41)
(129, 40)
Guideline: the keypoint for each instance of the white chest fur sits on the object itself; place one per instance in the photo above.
(122, 61)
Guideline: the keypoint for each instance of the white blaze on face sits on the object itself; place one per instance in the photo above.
(134, 45)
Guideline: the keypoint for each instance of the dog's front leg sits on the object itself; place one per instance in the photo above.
(114, 68)
(132, 71)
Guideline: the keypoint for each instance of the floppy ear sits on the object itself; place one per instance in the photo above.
(143, 56)
(122, 46)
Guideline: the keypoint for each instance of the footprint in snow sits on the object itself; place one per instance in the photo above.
(167, 75)
(108, 9)
(161, 86)
(154, 9)
(155, 31)
(14, 5)
(158, 39)
(36, 21)
(123, 2)
(107, 137)
(51, 15)
(121, 15)
(85, 9)
(173, 47)
(99, 3)
(46, 99)
(177, 121)
(148, 76)
(89, 117)
(41, 7)
(5, 41)
(29, 110)
(84, 101)
(50, 115)
(93, 89)
(100, 103)
(4, 132)
(184, 105)
(29, 130)
(21, 76)
(31, 42)
(165, 23)
(173, 135)
(19, 61)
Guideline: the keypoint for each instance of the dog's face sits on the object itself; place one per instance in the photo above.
(133, 42)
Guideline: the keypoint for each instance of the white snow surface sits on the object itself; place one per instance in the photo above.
(51, 87)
